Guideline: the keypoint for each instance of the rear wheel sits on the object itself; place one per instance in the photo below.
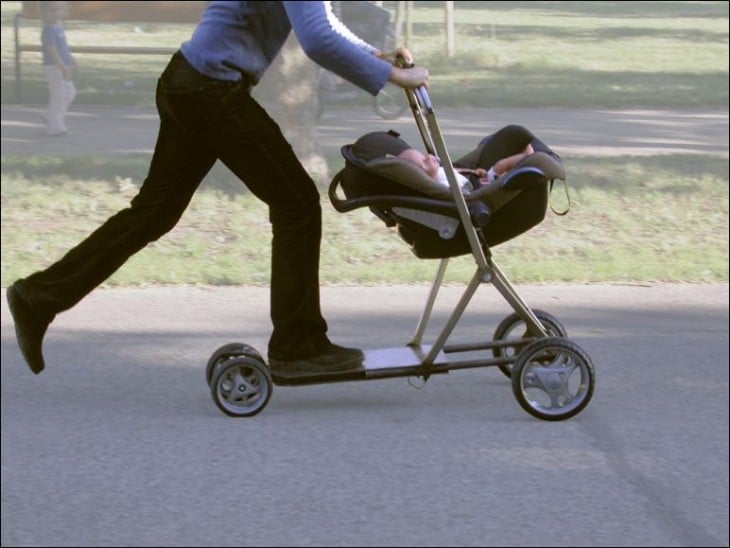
(390, 103)
(553, 379)
(514, 327)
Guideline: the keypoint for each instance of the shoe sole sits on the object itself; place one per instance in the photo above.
(309, 377)
(15, 303)
(293, 369)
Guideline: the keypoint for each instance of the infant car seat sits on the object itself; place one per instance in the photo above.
(423, 211)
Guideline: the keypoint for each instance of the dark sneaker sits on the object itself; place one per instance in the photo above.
(334, 359)
(29, 329)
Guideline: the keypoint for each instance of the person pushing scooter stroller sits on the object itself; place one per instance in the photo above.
(207, 114)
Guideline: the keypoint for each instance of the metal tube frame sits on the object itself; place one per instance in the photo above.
(486, 271)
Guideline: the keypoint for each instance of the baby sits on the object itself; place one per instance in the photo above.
(432, 166)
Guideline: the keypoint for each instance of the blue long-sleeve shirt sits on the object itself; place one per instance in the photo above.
(53, 35)
(241, 39)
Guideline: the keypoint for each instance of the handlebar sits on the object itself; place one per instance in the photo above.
(420, 92)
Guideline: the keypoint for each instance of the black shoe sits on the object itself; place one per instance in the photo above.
(334, 359)
(29, 329)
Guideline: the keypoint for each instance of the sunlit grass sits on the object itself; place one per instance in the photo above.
(655, 218)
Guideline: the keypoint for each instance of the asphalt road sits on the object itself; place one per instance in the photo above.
(119, 443)
(109, 130)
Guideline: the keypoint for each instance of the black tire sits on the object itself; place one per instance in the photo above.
(227, 351)
(241, 386)
(513, 323)
(390, 103)
(553, 379)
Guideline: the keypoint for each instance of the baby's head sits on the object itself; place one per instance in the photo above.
(427, 162)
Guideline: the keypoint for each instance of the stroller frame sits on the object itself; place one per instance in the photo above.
(540, 359)
(486, 270)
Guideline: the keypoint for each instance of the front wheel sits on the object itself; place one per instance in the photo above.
(553, 379)
(229, 351)
(241, 386)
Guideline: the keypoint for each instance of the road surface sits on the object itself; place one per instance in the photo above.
(592, 132)
(119, 443)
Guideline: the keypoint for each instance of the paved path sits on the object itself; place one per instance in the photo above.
(118, 442)
(107, 130)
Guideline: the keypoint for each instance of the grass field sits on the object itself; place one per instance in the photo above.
(633, 220)
(648, 219)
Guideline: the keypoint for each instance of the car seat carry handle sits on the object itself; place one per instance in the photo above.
(479, 212)
(432, 205)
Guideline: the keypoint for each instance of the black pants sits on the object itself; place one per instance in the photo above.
(203, 120)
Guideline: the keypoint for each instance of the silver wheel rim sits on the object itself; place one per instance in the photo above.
(242, 388)
(555, 381)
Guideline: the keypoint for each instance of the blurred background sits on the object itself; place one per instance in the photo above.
(526, 58)
(590, 54)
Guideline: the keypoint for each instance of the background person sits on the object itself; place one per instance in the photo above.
(58, 67)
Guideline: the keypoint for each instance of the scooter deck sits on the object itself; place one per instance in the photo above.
(403, 361)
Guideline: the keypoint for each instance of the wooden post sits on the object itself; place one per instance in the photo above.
(18, 84)
(409, 22)
(400, 17)
(450, 33)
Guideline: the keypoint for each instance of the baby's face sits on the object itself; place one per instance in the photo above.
(427, 162)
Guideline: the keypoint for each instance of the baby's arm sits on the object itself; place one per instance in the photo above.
(505, 164)
(479, 172)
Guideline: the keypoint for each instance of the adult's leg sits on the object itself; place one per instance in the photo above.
(251, 145)
(180, 161)
(178, 165)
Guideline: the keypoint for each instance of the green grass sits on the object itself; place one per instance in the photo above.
(577, 54)
(648, 219)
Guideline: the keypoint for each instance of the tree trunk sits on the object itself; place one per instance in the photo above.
(398, 25)
(288, 91)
